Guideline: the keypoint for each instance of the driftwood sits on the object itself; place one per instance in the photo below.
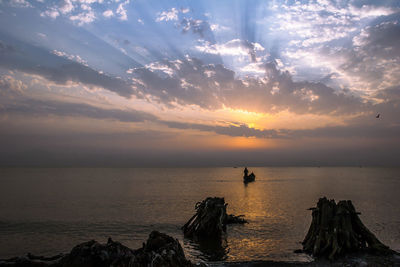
(337, 230)
(160, 250)
(210, 220)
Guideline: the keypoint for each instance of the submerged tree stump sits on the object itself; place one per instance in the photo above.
(210, 219)
(336, 230)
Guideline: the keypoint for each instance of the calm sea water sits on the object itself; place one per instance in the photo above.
(47, 211)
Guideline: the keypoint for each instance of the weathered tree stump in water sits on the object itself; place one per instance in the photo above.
(210, 219)
(336, 230)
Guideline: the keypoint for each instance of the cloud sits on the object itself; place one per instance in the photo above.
(191, 82)
(364, 60)
(367, 11)
(230, 130)
(59, 69)
(44, 108)
(199, 27)
(159, 68)
(84, 17)
(196, 26)
(350, 131)
(108, 13)
(10, 87)
(185, 10)
(42, 35)
(218, 28)
(66, 6)
(375, 56)
(254, 68)
(369, 62)
(336, 132)
(52, 13)
(169, 15)
(63, 7)
(234, 48)
(81, 11)
(76, 58)
(121, 11)
(316, 22)
(20, 3)
(391, 94)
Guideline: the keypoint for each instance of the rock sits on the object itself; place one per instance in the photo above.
(92, 253)
(160, 250)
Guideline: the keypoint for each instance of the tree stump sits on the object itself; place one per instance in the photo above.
(336, 230)
(210, 220)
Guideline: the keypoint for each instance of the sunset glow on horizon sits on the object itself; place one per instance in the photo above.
(199, 82)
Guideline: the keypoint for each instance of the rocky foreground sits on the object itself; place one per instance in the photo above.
(163, 250)
(159, 250)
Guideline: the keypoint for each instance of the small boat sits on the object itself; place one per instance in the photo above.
(249, 178)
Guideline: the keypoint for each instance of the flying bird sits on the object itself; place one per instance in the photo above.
(377, 116)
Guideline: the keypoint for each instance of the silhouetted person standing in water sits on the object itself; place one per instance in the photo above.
(246, 171)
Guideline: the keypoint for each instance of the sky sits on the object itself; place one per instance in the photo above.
(156, 83)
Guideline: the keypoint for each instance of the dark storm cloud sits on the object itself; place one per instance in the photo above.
(34, 60)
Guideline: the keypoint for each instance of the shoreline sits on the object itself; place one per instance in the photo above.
(356, 259)
(166, 251)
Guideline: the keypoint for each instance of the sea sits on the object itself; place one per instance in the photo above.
(46, 211)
